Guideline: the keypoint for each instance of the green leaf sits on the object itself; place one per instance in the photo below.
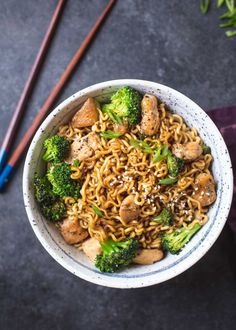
(141, 145)
(228, 14)
(168, 181)
(97, 211)
(230, 33)
(220, 3)
(113, 116)
(110, 134)
(76, 163)
(204, 6)
(230, 5)
(230, 23)
(160, 154)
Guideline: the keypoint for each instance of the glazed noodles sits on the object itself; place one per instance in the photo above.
(129, 164)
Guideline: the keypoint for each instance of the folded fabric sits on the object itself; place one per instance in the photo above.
(225, 120)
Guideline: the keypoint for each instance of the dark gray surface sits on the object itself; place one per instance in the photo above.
(169, 42)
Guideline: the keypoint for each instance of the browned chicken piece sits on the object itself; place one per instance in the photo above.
(93, 140)
(72, 232)
(150, 116)
(83, 148)
(148, 256)
(87, 115)
(128, 209)
(79, 150)
(91, 248)
(204, 189)
(188, 151)
(121, 128)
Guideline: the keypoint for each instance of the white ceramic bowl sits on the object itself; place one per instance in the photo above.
(134, 276)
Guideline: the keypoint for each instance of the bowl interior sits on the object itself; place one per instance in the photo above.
(135, 276)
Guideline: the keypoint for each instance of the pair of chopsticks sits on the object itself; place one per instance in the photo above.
(12, 162)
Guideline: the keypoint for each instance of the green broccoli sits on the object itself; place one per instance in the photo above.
(116, 255)
(43, 190)
(174, 165)
(206, 149)
(55, 211)
(57, 148)
(52, 208)
(165, 217)
(175, 241)
(125, 106)
(62, 184)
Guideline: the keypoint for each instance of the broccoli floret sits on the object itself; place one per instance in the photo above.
(62, 184)
(175, 241)
(52, 208)
(165, 217)
(206, 149)
(55, 211)
(43, 190)
(174, 165)
(116, 255)
(57, 148)
(125, 106)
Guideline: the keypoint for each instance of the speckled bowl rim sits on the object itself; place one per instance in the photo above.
(120, 281)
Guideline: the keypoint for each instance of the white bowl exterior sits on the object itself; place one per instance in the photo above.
(135, 276)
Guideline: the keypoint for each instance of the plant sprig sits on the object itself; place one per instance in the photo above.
(220, 3)
(110, 134)
(141, 145)
(168, 180)
(97, 211)
(204, 6)
(229, 15)
(160, 153)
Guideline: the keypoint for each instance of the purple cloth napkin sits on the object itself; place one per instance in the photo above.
(225, 120)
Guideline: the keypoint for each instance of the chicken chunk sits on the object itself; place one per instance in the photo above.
(83, 148)
(91, 248)
(93, 140)
(188, 151)
(150, 116)
(148, 256)
(87, 115)
(204, 189)
(121, 128)
(72, 232)
(128, 209)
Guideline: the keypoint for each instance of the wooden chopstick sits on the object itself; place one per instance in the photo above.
(4, 177)
(21, 105)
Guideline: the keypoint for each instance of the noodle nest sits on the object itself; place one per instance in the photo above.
(117, 170)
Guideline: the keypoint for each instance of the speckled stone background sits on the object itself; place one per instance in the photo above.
(169, 42)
